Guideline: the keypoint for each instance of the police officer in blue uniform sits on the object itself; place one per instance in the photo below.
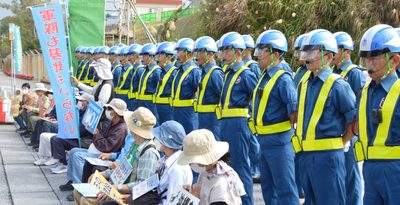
(274, 106)
(123, 82)
(325, 114)
(210, 86)
(134, 75)
(379, 115)
(355, 77)
(233, 111)
(165, 58)
(116, 66)
(302, 69)
(148, 79)
(89, 70)
(184, 86)
(247, 59)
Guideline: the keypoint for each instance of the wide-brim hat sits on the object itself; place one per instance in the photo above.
(140, 122)
(118, 105)
(200, 147)
(170, 134)
(41, 87)
(103, 69)
(84, 96)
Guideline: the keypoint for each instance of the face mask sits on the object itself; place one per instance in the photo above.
(196, 168)
(24, 91)
(51, 97)
(158, 144)
(108, 115)
(79, 105)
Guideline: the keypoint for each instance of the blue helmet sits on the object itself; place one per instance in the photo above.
(90, 50)
(232, 39)
(83, 50)
(104, 50)
(378, 40)
(78, 49)
(121, 45)
(248, 41)
(149, 49)
(344, 40)
(207, 43)
(397, 30)
(185, 43)
(273, 39)
(135, 48)
(96, 50)
(114, 50)
(298, 42)
(124, 51)
(319, 39)
(167, 48)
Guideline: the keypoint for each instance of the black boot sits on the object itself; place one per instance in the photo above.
(66, 187)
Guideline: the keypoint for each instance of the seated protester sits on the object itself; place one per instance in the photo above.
(45, 140)
(48, 123)
(218, 182)
(15, 108)
(142, 155)
(60, 145)
(103, 91)
(170, 135)
(40, 108)
(106, 140)
(89, 169)
(28, 101)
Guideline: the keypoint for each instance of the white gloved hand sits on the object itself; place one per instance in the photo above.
(346, 147)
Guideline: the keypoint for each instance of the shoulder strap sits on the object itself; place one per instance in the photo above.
(146, 148)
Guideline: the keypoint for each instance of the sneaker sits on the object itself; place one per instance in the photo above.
(67, 187)
(20, 130)
(40, 161)
(25, 132)
(70, 197)
(61, 168)
(51, 161)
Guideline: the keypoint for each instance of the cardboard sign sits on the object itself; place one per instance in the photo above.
(92, 116)
(104, 186)
(122, 172)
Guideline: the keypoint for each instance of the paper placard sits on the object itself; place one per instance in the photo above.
(183, 197)
(145, 186)
(86, 189)
(103, 185)
(92, 116)
(122, 172)
(98, 162)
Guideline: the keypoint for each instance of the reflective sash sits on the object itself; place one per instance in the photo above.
(225, 68)
(247, 64)
(115, 67)
(258, 126)
(86, 80)
(161, 86)
(348, 69)
(121, 84)
(175, 95)
(304, 78)
(141, 95)
(378, 150)
(82, 71)
(226, 111)
(312, 144)
(131, 93)
(198, 106)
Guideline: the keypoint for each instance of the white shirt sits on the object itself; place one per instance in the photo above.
(105, 92)
(174, 175)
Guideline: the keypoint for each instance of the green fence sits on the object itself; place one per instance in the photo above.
(165, 15)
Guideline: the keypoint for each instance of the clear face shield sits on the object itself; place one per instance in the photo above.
(309, 55)
(376, 63)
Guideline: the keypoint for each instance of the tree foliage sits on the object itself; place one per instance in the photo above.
(295, 17)
(23, 18)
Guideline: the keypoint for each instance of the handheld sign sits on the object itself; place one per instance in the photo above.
(122, 172)
(145, 186)
(92, 115)
(181, 196)
(86, 189)
(103, 185)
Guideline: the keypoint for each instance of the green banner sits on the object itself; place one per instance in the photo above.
(86, 21)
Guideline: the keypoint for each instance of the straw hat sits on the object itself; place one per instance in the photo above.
(103, 69)
(170, 134)
(200, 147)
(140, 122)
(40, 86)
(118, 105)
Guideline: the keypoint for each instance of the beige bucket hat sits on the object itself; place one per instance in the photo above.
(141, 121)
